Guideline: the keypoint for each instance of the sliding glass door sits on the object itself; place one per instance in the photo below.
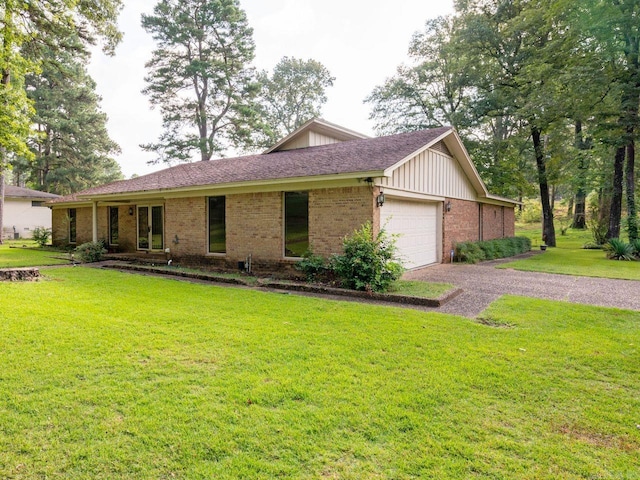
(150, 227)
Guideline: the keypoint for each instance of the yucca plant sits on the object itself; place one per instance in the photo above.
(635, 244)
(616, 249)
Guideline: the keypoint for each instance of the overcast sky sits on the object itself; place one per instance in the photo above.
(361, 42)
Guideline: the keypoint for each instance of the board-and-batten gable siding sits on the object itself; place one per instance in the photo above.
(309, 139)
(432, 172)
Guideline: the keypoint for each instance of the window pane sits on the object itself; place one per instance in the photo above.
(296, 223)
(217, 225)
(72, 225)
(143, 228)
(113, 225)
(157, 240)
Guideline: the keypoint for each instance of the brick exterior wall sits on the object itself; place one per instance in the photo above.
(254, 225)
(492, 222)
(127, 226)
(460, 224)
(60, 230)
(509, 222)
(337, 212)
(60, 227)
(186, 219)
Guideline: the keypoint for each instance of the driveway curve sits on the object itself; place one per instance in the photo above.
(483, 283)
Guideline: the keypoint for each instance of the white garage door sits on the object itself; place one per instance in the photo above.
(416, 222)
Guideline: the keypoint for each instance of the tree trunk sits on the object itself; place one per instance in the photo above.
(570, 206)
(615, 211)
(6, 78)
(1, 195)
(548, 230)
(580, 211)
(632, 214)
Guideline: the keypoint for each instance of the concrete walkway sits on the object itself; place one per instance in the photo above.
(483, 283)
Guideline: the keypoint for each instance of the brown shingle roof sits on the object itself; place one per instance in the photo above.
(11, 191)
(366, 155)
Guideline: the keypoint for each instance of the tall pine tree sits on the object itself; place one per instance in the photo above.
(71, 144)
(200, 79)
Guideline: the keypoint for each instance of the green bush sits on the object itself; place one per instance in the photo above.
(314, 267)
(635, 244)
(599, 228)
(369, 262)
(531, 212)
(474, 252)
(469, 252)
(616, 249)
(41, 235)
(91, 251)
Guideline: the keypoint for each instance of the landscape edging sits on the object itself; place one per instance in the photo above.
(299, 287)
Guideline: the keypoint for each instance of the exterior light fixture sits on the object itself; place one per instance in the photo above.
(130, 210)
(380, 199)
(448, 206)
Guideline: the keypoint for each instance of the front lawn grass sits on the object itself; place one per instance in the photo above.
(28, 257)
(111, 375)
(571, 259)
(415, 288)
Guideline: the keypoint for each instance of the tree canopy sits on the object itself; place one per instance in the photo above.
(294, 93)
(543, 91)
(200, 78)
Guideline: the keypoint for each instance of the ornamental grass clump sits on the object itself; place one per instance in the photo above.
(636, 247)
(369, 261)
(616, 249)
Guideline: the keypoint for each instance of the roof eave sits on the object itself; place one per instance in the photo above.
(231, 185)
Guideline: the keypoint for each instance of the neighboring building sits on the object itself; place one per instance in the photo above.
(310, 190)
(24, 210)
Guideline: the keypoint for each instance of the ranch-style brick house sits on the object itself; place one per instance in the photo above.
(308, 191)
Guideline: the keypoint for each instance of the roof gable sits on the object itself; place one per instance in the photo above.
(314, 133)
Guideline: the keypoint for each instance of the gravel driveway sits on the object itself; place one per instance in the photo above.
(483, 283)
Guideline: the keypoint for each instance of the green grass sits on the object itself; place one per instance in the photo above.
(28, 257)
(570, 258)
(111, 375)
(415, 288)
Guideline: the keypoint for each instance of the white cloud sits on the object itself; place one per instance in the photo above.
(361, 42)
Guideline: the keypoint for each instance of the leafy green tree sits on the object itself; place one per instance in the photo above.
(199, 77)
(522, 46)
(614, 28)
(71, 145)
(291, 95)
(434, 90)
(45, 23)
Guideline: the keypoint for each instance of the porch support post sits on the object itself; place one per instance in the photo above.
(94, 223)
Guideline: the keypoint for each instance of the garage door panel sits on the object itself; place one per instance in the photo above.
(416, 225)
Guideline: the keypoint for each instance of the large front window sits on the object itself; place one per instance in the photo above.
(296, 223)
(113, 225)
(217, 225)
(72, 225)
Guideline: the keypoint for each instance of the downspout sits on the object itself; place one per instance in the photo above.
(94, 222)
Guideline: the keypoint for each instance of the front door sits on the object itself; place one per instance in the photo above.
(150, 227)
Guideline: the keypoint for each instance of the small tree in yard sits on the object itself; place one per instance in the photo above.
(41, 235)
(369, 262)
